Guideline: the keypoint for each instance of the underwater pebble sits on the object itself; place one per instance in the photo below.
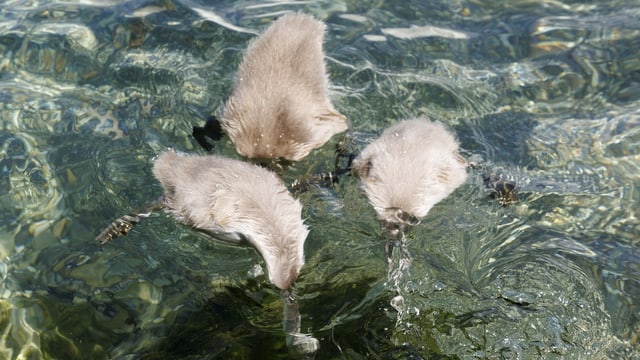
(72, 179)
(439, 286)
(6, 249)
(517, 297)
(39, 227)
(60, 226)
(149, 293)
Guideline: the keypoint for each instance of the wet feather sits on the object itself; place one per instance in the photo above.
(235, 201)
(279, 106)
(411, 167)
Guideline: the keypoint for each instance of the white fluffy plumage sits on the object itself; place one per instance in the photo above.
(236, 201)
(411, 167)
(279, 106)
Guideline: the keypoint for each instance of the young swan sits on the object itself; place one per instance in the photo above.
(411, 167)
(236, 202)
(279, 107)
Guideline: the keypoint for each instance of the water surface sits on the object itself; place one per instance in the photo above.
(544, 92)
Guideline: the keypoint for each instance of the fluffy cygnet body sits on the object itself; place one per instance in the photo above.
(411, 167)
(236, 201)
(279, 107)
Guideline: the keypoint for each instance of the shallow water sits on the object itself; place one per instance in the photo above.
(544, 92)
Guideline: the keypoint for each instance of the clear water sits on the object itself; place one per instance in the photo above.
(546, 92)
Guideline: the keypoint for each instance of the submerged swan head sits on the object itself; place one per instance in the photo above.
(279, 106)
(235, 201)
(412, 166)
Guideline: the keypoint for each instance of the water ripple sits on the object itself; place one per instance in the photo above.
(542, 93)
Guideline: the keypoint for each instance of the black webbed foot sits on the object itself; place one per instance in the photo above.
(211, 129)
(122, 225)
(501, 188)
(119, 227)
(329, 178)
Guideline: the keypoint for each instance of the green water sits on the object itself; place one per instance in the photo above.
(545, 92)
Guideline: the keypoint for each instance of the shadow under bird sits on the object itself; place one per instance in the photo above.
(411, 167)
(279, 106)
